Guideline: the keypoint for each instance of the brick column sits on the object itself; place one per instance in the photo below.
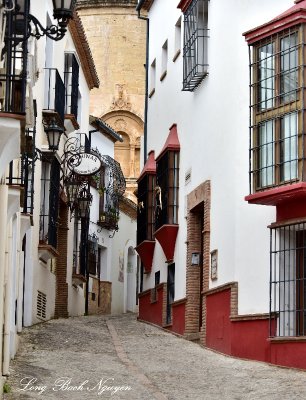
(61, 296)
(198, 237)
(206, 261)
(193, 274)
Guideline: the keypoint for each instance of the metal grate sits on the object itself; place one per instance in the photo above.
(71, 84)
(277, 102)
(195, 57)
(14, 54)
(54, 93)
(288, 280)
(50, 189)
(145, 211)
(41, 305)
(167, 180)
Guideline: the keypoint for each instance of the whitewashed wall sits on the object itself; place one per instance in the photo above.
(213, 129)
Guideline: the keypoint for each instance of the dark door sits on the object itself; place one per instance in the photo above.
(170, 291)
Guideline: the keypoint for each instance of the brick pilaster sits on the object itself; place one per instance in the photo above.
(61, 296)
(197, 238)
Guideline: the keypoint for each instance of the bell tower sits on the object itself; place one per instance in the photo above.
(117, 40)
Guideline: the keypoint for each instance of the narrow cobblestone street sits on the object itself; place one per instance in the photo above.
(119, 357)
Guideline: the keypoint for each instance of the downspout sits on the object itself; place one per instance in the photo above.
(145, 133)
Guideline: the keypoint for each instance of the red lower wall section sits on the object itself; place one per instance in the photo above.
(248, 338)
(178, 319)
(242, 337)
(153, 311)
(218, 325)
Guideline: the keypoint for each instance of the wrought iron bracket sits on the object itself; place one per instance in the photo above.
(54, 32)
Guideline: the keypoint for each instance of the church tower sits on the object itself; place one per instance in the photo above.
(117, 40)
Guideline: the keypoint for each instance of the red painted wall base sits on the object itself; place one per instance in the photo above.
(153, 311)
(248, 338)
(244, 338)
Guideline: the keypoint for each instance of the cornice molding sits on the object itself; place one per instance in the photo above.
(105, 3)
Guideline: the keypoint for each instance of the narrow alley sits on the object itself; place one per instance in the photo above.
(118, 357)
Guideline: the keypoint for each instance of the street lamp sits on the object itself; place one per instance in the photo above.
(84, 200)
(62, 12)
(53, 133)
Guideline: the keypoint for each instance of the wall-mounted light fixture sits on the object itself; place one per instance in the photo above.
(53, 133)
(62, 13)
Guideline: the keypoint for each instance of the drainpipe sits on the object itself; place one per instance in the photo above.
(145, 133)
(7, 304)
(3, 224)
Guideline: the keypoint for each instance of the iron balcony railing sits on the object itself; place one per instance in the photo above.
(54, 93)
(50, 189)
(71, 84)
(21, 172)
(13, 74)
(145, 213)
(167, 189)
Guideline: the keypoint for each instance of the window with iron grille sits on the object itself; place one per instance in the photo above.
(13, 71)
(195, 61)
(288, 280)
(50, 186)
(71, 84)
(92, 256)
(145, 212)
(277, 102)
(166, 189)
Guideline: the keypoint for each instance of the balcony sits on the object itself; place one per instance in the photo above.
(54, 102)
(14, 72)
(109, 219)
(71, 92)
(167, 194)
(145, 213)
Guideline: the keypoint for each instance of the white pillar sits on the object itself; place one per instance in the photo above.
(3, 228)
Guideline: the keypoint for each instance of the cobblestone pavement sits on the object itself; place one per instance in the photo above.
(117, 357)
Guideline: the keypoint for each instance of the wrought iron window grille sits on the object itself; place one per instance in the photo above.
(50, 190)
(71, 74)
(14, 56)
(277, 91)
(167, 179)
(288, 280)
(146, 208)
(93, 241)
(54, 103)
(195, 50)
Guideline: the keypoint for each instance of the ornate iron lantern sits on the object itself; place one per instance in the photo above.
(84, 200)
(54, 133)
(63, 10)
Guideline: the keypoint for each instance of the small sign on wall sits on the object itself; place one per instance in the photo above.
(214, 264)
(195, 259)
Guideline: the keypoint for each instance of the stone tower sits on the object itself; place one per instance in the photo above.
(117, 40)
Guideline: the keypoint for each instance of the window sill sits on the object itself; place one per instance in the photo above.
(287, 339)
(175, 57)
(151, 93)
(163, 76)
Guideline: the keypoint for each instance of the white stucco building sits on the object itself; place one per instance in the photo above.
(57, 215)
(210, 270)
